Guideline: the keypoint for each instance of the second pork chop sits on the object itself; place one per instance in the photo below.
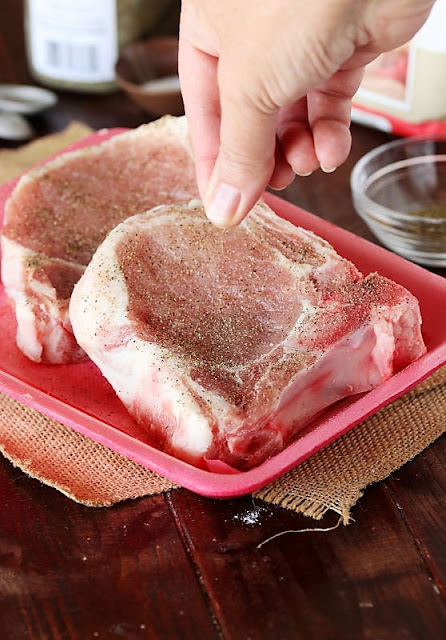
(59, 213)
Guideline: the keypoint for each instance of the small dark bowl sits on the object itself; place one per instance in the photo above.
(148, 73)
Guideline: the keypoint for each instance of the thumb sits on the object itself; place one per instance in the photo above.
(245, 160)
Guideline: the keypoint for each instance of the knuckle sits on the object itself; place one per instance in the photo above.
(238, 159)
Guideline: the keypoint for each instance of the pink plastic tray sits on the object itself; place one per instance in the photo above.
(79, 397)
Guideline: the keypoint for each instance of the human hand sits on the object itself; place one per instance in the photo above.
(267, 87)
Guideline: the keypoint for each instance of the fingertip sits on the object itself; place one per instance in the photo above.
(226, 205)
(222, 205)
(297, 145)
(236, 183)
(282, 175)
(332, 143)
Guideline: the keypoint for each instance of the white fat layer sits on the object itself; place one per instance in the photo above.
(147, 378)
(42, 322)
(356, 363)
(14, 259)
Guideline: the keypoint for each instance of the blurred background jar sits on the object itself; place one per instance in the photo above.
(74, 44)
(404, 91)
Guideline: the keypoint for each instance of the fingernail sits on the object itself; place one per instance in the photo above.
(223, 205)
(303, 175)
(278, 188)
(328, 170)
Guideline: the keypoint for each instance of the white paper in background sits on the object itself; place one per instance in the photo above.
(74, 39)
(432, 35)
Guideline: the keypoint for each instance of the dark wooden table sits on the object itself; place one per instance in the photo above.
(185, 567)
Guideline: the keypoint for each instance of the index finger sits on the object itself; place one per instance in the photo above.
(198, 78)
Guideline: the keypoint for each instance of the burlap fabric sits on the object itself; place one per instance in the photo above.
(332, 479)
(13, 162)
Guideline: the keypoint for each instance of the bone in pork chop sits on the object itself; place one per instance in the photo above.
(224, 343)
(59, 213)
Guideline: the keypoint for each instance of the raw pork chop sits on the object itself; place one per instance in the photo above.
(224, 343)
(59, 213)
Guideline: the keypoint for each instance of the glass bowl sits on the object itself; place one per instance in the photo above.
(399, 190)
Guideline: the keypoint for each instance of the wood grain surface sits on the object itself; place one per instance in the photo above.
(180, 566)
